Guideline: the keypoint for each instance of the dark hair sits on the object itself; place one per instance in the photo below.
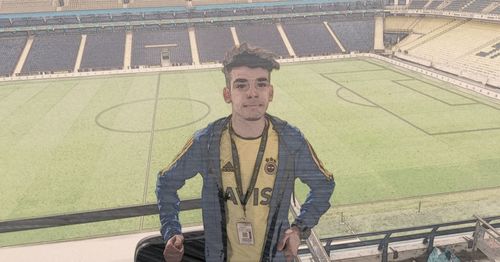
(244, 55)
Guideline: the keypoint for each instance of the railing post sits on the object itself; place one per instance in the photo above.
(313, 242)
(384, 246)
(430, 240)
(478, 233)
(328, 247)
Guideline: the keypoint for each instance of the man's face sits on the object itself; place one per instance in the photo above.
(250, 92)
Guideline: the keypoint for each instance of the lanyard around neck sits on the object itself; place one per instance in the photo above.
(255, 173)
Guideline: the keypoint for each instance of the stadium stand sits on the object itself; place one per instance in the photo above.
(95, 18)
(159, 16)
(455, 5)
(213, 42)
(11, 6)
(104, 51)
(434, 4)
(61, 20)
(142, 55)
(265, 35)
(300, 35)
(5, 22)
(417, 4)
(429, 24)
(476, 6)
(211, 2)
(52, 53)
(424, 29)
(21, 22)
(485, 62)
(91, 4)
(391, 39)
(454, 50)
(399, 23)
(355, 35)
(155, 3)
(496, 10)
(10, 51)
(495, 49)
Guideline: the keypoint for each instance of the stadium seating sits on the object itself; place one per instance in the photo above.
(91, 4)
(455, 5)
(477, 6)
(159, 16)
(213, 42)
(496, 10)
(391, 39)
(156, 3)
(61, 20)
(424, 29)
(264, 35)
(399, 23)
(104, 51)
(427, 25)
(258, 1)
(417, 4)
(150, 56)
(52, 53)
(209, 2)
(355, 35)
(10, 51)
(12, 6)
(486, 61)
(4, 22)
(95, 19)
(30, 21)
(20, 22)
(435, 4)
(300, 36)
(454, 50)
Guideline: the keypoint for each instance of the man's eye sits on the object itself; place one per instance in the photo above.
(263, 84)
(241, 86)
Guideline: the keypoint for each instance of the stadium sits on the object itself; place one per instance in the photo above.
(400, 99)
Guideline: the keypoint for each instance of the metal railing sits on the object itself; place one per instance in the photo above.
(486, 239)
(89, 216)
(382, 239)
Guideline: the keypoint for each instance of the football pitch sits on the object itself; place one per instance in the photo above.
(405, 150)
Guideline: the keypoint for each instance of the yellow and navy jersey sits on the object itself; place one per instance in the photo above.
(294, 159)
(257, 208)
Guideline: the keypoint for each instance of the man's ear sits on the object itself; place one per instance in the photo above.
(271, 93)
(227, 94)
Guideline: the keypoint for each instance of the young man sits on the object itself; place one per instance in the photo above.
(249, 162)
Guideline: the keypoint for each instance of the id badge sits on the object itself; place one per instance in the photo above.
(245, 233)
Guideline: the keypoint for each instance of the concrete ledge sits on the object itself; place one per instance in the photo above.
(110, 249)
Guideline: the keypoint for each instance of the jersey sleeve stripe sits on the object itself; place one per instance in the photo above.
(318, 162)
(186, 147)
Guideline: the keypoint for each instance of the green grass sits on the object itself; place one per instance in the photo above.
(392, 139)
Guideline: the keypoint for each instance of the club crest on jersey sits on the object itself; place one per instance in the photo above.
(270, 167)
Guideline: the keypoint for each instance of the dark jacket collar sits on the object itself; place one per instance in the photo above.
(280, 126)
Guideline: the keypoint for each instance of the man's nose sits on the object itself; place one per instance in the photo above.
(252, 91)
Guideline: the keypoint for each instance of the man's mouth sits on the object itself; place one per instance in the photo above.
(257, 105)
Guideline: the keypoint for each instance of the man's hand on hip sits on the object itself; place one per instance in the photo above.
(174, 249)
(290, 243)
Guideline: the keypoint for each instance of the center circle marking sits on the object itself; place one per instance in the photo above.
(99, 122)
